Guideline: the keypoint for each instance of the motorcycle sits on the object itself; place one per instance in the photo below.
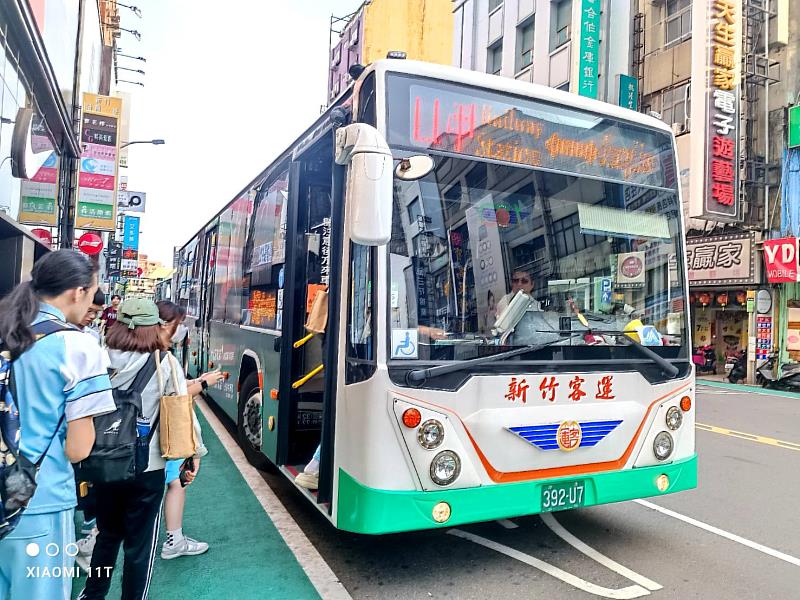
(704, 359)
(739, 369)
(788, 380)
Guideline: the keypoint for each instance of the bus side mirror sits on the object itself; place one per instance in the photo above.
(370, 186)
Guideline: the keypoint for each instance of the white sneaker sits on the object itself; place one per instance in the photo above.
(85, 548)
(186, 547)
(309, 481)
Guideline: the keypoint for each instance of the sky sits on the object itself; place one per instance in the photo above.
(228, 85)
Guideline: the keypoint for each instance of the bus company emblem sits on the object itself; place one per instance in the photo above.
(567, 435)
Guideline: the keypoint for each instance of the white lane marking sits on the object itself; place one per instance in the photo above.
(507, 523)
(318, 571)
(722, 533)
(550, 520)
(632, 591)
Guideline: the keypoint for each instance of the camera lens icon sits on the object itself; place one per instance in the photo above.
(32, 549)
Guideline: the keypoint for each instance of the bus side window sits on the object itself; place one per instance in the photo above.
(361, 315)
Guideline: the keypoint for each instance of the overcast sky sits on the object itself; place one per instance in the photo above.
(228, 85)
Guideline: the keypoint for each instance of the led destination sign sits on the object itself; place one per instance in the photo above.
(483, 124)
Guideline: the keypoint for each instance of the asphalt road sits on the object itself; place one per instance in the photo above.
(744, 541)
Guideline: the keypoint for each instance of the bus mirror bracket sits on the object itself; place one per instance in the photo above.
(370, 185)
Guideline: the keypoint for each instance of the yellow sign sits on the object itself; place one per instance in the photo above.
(97, 179)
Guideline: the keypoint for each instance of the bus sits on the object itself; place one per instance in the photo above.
(469, 292)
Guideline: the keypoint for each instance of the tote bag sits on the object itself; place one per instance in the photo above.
(177, 418)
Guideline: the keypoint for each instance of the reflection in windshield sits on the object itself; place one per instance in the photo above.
(494, 255)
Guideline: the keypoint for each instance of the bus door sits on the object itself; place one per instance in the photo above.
(207, 300)
(303, 381)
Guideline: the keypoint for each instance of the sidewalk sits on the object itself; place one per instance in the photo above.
(248, 557)
(746, 389)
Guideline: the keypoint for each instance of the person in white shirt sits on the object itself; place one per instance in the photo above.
(520, 280)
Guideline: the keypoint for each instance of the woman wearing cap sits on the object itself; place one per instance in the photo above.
(129, 512)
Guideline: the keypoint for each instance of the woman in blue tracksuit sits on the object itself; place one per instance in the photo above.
(61, 384)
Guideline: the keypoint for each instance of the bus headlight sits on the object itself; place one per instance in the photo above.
(663, 445)
(431, 434)
(445, 467)
(674, 418)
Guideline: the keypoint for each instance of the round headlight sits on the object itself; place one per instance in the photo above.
(445, 467)
(663, 445)
(674, 418)
(431, 434)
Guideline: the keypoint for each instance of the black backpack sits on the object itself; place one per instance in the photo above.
(17, 472)
(119, 453)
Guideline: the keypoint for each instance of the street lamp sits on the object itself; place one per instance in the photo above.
(133, 32)
(131, 70)
(154, 142)
(133, 82)
(141, 58)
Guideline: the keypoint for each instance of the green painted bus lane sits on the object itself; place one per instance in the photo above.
(368, 510)
(247, 557)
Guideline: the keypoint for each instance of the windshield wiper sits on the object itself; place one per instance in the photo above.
(420, 375)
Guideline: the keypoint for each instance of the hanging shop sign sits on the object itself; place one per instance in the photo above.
(721, 259)
(588, 62)
(630, 270)
(128, 201)
(794, 126)
(628, 92)
(38, 205)
(714, 188)
(130, 233)
(781, 260)
(99, 166)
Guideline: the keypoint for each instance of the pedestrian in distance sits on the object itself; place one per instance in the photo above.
(129, 512)
(109, 315)
(177, 544)
(59, 384)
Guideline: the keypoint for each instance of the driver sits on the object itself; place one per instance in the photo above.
(520, 280)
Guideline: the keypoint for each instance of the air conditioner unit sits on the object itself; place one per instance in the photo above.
(678, 128)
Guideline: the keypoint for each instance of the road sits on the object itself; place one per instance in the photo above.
(736, 536)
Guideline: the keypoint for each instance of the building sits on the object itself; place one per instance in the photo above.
(727, 103)
(557, 43)
(420, 28)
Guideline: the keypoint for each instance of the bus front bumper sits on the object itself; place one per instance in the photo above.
(367, 510)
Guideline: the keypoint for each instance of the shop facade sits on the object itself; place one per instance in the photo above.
(724, 283)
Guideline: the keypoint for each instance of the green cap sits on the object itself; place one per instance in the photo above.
(138, 312)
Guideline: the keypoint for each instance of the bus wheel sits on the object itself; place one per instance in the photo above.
(249, 422)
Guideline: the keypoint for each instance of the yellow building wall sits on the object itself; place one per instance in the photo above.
(423, 29)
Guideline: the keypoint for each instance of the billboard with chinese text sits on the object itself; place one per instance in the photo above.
(721, 259)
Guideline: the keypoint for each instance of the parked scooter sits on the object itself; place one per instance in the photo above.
(739, 370)
(789, 379)
(704, 359)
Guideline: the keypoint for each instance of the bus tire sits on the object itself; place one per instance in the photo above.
(249, 422)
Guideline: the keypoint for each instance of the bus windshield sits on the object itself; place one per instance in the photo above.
(470, 236)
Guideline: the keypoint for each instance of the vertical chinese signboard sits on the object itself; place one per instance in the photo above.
(628, 92)
(588, 48)
(38, 195)
(97, 188)
(716, 78)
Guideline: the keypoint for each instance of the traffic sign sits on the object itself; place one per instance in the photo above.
(44, 235)
(90, 243)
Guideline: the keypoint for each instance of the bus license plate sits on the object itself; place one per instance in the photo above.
(562, 496)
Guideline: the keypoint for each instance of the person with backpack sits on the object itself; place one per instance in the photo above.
(129, 502)
(52, 383)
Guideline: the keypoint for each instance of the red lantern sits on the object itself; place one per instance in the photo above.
(722, 300)
(705, 299)
(741, 298)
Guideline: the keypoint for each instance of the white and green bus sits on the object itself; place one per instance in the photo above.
(504, 327)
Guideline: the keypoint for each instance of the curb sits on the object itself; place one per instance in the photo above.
(748, 389)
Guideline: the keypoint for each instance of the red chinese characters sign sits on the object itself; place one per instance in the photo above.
(550, 389)
(716, 76)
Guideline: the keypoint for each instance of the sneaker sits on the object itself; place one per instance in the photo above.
(310, 481)
(85, 548)
(186, 547)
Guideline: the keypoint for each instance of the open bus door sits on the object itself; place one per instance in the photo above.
(305, 391)
(207, 299)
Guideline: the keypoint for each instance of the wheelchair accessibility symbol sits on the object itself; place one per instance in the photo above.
(404, 343)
